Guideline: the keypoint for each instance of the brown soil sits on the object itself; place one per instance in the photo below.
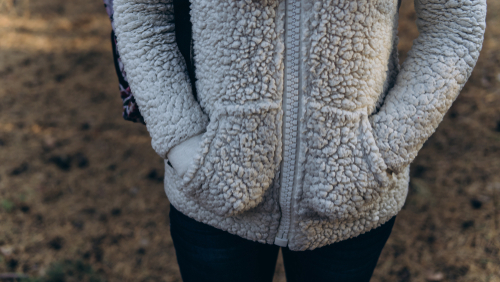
(77, 182)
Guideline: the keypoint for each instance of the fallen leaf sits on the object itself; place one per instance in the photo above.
(435, 276)
(6, 250)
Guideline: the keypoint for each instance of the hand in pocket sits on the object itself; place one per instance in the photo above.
(182, 155)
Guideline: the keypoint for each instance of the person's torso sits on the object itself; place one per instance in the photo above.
(289, 86)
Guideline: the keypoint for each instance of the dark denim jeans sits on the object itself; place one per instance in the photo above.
(205, 253)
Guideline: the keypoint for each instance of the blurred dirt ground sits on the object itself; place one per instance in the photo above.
(79, 183)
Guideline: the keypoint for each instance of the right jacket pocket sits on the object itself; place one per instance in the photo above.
(237, 161)
(344, 173)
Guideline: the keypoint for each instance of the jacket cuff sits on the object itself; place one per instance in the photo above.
(395, 155)
(170, 129)
(395, 163)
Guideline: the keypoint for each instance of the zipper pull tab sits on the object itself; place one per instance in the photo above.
(281, 242)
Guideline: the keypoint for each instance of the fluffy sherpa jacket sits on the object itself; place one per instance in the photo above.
(305, 125)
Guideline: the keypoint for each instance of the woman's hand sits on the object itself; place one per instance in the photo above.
(182, 155)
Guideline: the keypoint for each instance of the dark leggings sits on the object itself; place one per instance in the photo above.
(205, 253)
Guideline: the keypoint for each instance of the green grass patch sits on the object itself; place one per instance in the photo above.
(7, 205)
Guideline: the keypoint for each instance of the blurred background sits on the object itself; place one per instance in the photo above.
(81, 192)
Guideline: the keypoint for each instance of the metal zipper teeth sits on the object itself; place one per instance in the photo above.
(290, 128)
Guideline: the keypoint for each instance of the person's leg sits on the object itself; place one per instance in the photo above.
(352, 260)
(205, 253)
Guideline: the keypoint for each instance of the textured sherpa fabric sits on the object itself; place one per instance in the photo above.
(360, 119)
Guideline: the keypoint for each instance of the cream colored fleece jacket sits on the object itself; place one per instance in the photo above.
(305, 126)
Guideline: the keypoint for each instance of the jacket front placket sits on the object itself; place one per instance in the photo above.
(291, 111)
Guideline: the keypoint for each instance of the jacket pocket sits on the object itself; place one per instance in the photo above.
(237, 161)
(344, 173)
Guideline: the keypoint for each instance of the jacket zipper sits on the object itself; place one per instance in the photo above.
(291, 102)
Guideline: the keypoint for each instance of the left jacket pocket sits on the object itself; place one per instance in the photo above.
(237, 161)
(344, 173)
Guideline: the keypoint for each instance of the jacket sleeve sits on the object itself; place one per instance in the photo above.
(438, 65)
(157, 72)
(130, 110)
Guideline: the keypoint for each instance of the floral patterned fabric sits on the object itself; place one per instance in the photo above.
(130, 109)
